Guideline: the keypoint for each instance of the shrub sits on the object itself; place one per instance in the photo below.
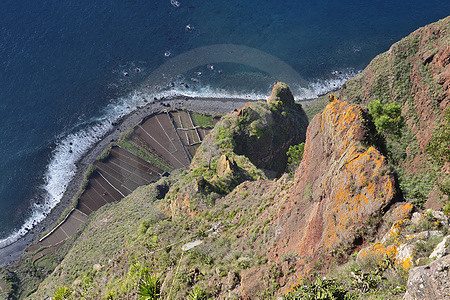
(439, 146)
(446, 208)
(387, 118)
(198, 293)
(149, 287)
(295, 155)
(62, 293)
(328, 289)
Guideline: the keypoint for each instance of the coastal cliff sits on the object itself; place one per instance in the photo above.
(415, 74)
(237, 223)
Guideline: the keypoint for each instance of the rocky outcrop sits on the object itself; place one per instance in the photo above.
(264, 131)
(245, 145)
(340, 185)
(429, 282)
(414, 73)
(442, 249)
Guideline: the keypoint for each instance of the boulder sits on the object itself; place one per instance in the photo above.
(405, 256)
(226, 166)
(430, 282)
(442, 249)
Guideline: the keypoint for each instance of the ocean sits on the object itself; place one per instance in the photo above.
(68, 69)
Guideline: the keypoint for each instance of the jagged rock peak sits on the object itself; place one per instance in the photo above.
(281, 92)
(226, 165)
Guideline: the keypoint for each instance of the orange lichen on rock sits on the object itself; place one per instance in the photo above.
(338, 186)
(406, 263)
(378, 251)
(403, 211)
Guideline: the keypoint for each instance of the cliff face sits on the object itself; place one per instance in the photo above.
(414, 73)
(339, 185)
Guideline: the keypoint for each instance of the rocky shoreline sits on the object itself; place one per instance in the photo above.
(12, 253)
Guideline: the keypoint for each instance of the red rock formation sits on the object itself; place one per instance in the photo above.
(339, 185)
(415, 73)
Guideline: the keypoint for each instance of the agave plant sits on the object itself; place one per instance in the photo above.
(149, 287)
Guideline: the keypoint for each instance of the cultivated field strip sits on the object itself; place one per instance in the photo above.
(186, 128)
(134, 161)
(160, 134)
(168, 138)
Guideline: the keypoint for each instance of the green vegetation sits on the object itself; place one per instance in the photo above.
(315, 106)
(198, 293)
(327, 289)
(62, 293)
(387, 118)
(105, 153)
(143, 154)
(439, 146)
(149, 286)
(202, 120)
(295, 155)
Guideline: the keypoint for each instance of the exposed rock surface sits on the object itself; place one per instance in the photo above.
(442, 249)
(430, 282)
(415, 73)
(339, 185)
(244, 145)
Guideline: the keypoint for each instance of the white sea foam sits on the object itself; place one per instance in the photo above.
(72, 146)
(322, 86)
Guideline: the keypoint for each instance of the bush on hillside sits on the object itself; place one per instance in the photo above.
(387, 118)
(295, 155)
(439, 146)
(327, 289)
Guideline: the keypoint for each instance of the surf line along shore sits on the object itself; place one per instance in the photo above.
(12, 252)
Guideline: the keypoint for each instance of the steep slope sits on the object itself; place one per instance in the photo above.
(414, 73)
(259, 238)
(226, 231)
(187, 213)
(339, 185)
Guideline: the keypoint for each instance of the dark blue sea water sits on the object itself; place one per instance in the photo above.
(63, 67)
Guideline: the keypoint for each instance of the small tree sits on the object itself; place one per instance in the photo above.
(295, 155)
(388, 119)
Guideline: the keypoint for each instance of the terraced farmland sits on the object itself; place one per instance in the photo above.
(158, 144)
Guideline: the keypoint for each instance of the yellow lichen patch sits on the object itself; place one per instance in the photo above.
(378, 251)
(403, 211)
(397, 228)
(405, 263)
